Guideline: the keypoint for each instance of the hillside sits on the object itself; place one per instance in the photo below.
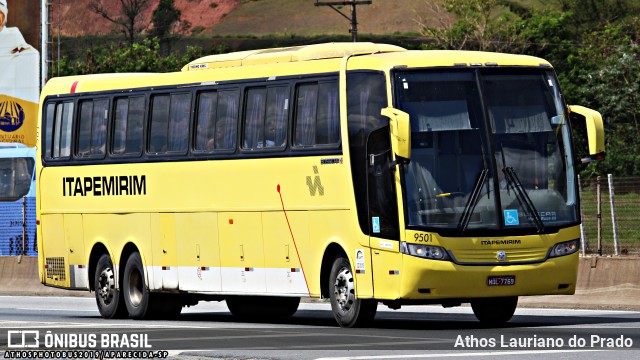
(243, 17)
(74, 18)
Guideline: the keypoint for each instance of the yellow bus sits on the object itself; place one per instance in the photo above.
(357, 172)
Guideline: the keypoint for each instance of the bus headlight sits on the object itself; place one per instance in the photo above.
(424, 251)
(564, 248)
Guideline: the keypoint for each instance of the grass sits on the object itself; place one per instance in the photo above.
(627, 217)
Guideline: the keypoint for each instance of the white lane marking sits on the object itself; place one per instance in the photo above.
(457, 354)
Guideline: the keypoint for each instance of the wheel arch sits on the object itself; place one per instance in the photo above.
(97, 251)
(128, 249)
(331, 252)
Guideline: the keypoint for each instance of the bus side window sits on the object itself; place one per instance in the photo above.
(92, 128)
(84, 128)
(227, 119)
(178, 127)
(277, 113)
(317, 115)
(62, 130)
(253, 135)
(205, 121)
(129, 117)
(328, 120)
(307, 105)
(48, 130)
(159, 122)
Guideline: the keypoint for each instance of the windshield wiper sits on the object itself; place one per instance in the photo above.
(521, 194)
(471, 203)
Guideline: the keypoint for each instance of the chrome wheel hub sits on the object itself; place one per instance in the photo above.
(107, 285)
(343, 289)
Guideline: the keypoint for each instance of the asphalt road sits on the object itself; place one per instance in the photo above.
(209, 331)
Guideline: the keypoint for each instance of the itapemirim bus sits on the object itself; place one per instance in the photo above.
(363, 173)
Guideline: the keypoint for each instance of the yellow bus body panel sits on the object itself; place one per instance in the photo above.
(262, 226)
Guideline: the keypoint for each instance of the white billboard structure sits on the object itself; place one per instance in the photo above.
(19, 84)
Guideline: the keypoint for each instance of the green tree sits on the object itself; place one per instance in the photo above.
(470, 24)
(165, 16)
(129, 17)
(605, 74)
(140, 57)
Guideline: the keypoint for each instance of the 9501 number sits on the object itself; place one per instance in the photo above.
(423, 237)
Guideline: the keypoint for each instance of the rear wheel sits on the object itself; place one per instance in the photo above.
(494, 311)
(347, 309)
(108, 297)
(134, 287)
(141, 304)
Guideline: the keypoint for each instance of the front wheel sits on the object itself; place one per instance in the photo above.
(494, 311)
(348, 310)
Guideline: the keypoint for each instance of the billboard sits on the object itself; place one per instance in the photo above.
(19, 70)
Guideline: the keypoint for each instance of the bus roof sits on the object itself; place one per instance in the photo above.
(289, 54)
(269, 63)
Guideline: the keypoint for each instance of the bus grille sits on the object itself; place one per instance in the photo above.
(490, 256)
(55, 268)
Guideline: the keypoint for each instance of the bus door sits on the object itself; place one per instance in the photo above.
(383, 215)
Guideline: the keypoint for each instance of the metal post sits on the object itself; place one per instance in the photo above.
(616, 244)
(599, 215)
(44, 36)
(583, 235)
(353, 19)
(24, 225)
(354, 24)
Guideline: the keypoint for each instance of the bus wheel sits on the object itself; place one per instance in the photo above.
(494, 311)
(136, 293)
(109, 299)
(347, 309)
(262, 307)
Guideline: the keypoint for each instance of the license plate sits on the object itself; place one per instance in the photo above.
(506, 280)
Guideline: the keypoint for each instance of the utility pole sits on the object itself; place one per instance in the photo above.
(353, 18)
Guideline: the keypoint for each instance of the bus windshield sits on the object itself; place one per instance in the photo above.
(16, 175)
(490, 150)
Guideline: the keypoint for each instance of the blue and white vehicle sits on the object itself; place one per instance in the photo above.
(17, 200)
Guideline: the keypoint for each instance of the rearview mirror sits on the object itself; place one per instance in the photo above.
(400, 131)
(595, 132)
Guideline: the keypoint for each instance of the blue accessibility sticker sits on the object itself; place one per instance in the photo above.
(511, 218)
(375, 224)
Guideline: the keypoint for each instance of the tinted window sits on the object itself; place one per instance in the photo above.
(62, 130)
(317, 115)
(92, 128)
(129, 117)
(170, 123)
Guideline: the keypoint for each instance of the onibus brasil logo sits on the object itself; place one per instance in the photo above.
(11, 116)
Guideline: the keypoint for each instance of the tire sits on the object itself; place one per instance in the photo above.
(348, 310)
(108, 296)
(494, 311)
(262, 307)
(134, 288)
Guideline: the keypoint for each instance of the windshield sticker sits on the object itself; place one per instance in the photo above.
(511, 218)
